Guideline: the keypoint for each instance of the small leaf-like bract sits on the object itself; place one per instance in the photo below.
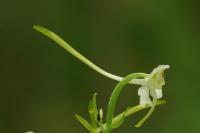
(93, 111)
(85, 123)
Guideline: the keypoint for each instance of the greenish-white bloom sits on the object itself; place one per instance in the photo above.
(152, 85)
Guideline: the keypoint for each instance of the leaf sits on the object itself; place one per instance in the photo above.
(84, 122)
(93, 111)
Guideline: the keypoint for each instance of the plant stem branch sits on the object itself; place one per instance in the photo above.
(129, 112)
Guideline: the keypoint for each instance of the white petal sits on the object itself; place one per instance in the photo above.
(145, 101)
(160, 68)
(143, 92)
(158, 93)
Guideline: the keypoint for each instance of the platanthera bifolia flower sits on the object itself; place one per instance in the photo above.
(151, 89)
(152, 85)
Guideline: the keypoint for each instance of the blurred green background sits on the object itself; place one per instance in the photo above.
(42, 86)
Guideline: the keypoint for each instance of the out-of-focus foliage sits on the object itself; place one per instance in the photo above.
(42, 86)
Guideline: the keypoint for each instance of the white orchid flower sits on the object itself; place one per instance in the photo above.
(151, 88)
(152, 85)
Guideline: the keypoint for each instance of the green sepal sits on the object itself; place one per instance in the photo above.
(84, 122)
(93, 111)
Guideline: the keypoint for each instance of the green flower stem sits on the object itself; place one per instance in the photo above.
(78, 55)
(114, 97)
(129, 112)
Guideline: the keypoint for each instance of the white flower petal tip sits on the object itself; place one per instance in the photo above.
(158, 93)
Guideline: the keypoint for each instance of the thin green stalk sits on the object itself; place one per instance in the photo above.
(114, 97)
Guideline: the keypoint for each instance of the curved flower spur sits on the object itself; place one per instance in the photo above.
(151, 88)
